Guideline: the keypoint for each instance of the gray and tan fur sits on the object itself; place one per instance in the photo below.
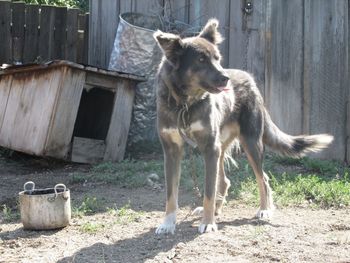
(200, 102)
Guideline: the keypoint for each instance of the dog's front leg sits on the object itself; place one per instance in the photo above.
(211, 158)
(173, 149)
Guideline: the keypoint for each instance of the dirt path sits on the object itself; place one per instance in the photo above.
(293, 235)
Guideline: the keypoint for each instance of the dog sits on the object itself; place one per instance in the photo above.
(201, 103)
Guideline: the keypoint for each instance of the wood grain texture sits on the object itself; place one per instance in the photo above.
(31, 36)
(326, 71)
(5, 32)
(65, 112)
(26, 122)
(18, 15)
(47, 26)
(120, 122)
(72, 35)
(60, 34)
(284, 71)
(5, 87)
(103, 27)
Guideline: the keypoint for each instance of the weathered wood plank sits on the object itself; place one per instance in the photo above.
(95, 79)
(5, 32)
(201, 11)
(326, 71)
(86, 39)
(47, 26)
(5, 86)
(26, 122)
(65, 112)
(119, 127)
(284, 71)
(17, 31)
(31, 36)
(87, 150)
(60, 37)
(72, 35)
(255, 27)
(238, 37)
(101, 38)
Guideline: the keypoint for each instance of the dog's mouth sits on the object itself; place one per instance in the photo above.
(223, 88)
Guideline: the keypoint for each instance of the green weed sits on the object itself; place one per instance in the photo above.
(90, 205)
(126, 215)
(91, 227)
(9, 215)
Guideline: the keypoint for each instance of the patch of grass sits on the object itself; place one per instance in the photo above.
(305, 181)
(9, 214)
(128, 173)
(89, 206)
(126, 215)
(91, 227)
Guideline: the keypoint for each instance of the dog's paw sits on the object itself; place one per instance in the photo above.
(198, 211)
(264, 214)
(207, 228)
(168, 226)
(166, 229)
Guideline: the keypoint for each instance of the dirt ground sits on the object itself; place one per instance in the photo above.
(292, 235)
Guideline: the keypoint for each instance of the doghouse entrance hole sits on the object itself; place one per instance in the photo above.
(94, 114)
(92, 125)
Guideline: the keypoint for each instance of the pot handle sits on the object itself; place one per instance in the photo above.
(64, 190)
(25, 187)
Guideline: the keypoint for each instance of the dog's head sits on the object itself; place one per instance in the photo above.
(195, 60)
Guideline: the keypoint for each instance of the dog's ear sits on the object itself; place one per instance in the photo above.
(171, 45)
(210, 32)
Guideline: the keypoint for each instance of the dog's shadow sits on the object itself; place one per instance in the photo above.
(148, 245)
(136, 249)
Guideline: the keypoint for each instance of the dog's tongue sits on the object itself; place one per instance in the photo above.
(223, 88)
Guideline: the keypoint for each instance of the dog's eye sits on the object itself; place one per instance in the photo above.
(216, 57)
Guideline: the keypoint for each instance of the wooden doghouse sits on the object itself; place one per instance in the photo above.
(66, 110)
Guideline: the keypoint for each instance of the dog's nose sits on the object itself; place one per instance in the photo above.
(223, 80)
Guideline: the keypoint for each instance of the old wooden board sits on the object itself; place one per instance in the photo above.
(284, 65)
(326, 71)
(72, 34)
(85, 150)
(18, 31)
(47, 26)
(5, 32)
(120, 122)
(101, 38)
(65, 112)
(26, 122)
(60, 36)
(31, 37)
(5, 86)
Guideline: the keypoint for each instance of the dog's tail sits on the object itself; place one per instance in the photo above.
(293, 146)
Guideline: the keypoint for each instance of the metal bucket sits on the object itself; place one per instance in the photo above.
(43, 209)
(136, 51)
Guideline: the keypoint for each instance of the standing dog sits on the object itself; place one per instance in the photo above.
(201, 103)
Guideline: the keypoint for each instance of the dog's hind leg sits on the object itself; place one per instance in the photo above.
(222, 186)
(173, 151)
(254, 150)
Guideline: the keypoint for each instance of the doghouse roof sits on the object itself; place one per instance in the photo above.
(6, 69)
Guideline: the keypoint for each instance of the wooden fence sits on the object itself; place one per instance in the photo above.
(297, 50)
(37, 33)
